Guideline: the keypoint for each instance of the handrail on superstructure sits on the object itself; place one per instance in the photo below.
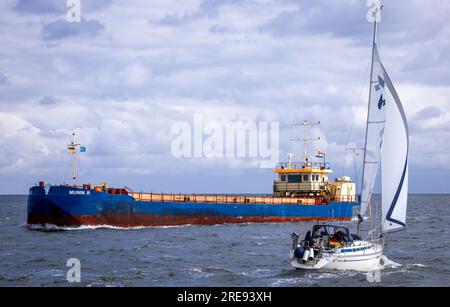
(301, 165)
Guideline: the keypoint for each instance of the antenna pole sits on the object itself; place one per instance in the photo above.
(74, 156)
(73, 148)
(360, 219)
(305, 139)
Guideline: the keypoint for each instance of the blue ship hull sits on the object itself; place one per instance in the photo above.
(71, 206)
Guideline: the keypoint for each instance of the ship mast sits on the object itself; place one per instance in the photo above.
(375, 26)
(305, 139)
(73, 148)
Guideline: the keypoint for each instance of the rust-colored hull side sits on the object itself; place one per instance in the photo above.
(148, 221)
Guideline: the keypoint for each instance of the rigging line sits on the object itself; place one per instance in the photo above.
(80, 166)
(358, 101)
(378, 41)
(356, 170)
(355, 105)
(66, 169)
(375, 229)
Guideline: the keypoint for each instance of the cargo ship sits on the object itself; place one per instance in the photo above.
(302, 191)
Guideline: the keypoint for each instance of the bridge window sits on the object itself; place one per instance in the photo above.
(305, 177)
(283, 178)
(294, 179)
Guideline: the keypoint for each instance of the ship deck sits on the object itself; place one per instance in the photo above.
(233, 199)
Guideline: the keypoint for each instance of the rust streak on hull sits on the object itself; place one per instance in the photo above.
(148, 221)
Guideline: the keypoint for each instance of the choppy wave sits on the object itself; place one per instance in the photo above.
(419, 265)
(258, 273)
(199, 273)
(290, 282)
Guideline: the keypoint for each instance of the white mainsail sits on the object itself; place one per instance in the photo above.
(374, 132)
(386, 144)
(394, 161)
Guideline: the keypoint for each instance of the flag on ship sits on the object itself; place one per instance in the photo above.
(320, 154)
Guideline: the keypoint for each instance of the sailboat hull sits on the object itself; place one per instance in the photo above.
(367, 258)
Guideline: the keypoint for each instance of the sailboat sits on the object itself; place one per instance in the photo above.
(386, 147)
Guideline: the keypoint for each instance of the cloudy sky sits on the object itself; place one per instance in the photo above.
(129, 70)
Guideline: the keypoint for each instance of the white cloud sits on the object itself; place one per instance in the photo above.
(136, 75)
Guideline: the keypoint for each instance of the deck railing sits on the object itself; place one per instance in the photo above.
(301, 165)
(229, 199)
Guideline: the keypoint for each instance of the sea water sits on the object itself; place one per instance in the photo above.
(222, 255)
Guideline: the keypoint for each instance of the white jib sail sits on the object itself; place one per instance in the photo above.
(394, 161)
(375, 130)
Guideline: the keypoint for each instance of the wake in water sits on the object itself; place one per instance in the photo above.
(386, 263)
(311, 278)
(52, 227)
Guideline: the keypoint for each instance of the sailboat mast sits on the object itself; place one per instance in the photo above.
(368, 114)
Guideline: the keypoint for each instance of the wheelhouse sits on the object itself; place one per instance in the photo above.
(301, 179)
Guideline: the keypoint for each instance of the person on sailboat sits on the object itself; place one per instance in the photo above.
(309, 242)
(338, 237)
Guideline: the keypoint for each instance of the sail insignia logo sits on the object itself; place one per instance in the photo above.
(380, 84)
(381, 102)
